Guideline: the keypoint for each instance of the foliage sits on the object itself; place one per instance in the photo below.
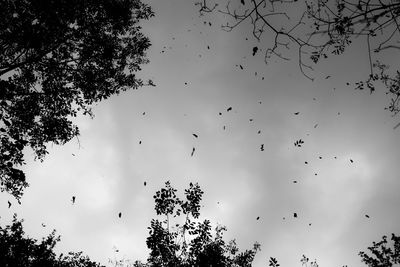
(189, 243)
(382, 255)
(18, 250)
(58, 58)
(318, 29)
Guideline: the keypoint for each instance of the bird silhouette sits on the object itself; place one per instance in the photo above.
(315, 126)
(144, 183)
(119, 215)
(305, 162)
(258, 218)
(73, 199)
(241, 67)
(140, 142)
(320, 157)
(259, 131)
(9, 204)
(229, 109)
(295, 182)
(295, 215)
(296, 113)
(366, 215)
(262, 147)
(43, 225)
(195, 135)
(192, 152)
(351, 160)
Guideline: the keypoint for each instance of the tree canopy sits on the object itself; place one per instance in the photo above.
(189, 242)
(382, 254)
(58, 58)
(318, 29)
(18, 250)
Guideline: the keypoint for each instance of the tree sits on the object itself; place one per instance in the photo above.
(17, 250)
(189, 243)
(318, 29)
(382, 255)
(58, 58)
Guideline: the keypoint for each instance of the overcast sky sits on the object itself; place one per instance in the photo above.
(196, 70)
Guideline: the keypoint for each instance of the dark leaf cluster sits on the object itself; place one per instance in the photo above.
(58, 58)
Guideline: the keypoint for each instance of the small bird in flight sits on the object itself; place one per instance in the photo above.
(258, 218)
(195, 135)
(144, 183)
(229, 109)
(9, 204)
(351, 160)
(192, 152)
(119, 215)
(366, 215)
(262, 147)
(297, 113)
(295, 215)
(73, 199)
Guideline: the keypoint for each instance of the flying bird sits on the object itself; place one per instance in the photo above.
(195, 135)
(366, 215)
(229, 109)
(320, 157)
(295, 215)
(140, 142)
(305, 162)
(297, 113)
(258, 218)
(144, 113)
(73, 199)
(119, 215)
(241, 67)
(262, 147)
(9, 204)
(259, 131)
(327, 77)
(43, 225)
(351, 160)
(315, 126)
(192, 152)
(144, 183)
(295, 182)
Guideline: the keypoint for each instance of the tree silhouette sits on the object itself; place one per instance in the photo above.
(382, 255)
(58, 58)
(189, 243)
(18, 250)
(318, 29)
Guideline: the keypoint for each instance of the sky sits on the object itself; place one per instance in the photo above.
(196, 70)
